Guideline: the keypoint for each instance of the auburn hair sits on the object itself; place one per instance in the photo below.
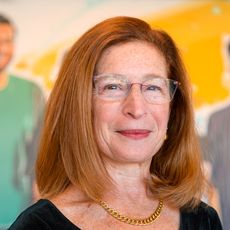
(68, 151)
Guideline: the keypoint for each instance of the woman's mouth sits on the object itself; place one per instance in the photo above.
(136, 134)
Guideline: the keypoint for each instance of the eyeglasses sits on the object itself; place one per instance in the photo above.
(156, 90)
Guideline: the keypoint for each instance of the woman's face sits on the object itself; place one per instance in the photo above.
(131, 129)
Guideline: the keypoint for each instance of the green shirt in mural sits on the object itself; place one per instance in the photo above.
(21, 106)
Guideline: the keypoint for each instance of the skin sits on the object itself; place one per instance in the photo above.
(6, 50)
(129, 133)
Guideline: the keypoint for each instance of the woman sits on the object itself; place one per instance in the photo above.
(119, 149)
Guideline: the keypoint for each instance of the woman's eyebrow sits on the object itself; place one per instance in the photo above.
(152, 76)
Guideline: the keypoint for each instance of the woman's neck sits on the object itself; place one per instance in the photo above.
(129, 181)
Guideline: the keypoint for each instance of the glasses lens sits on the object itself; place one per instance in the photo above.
(109, 87)
(159, 90)
(155, 90)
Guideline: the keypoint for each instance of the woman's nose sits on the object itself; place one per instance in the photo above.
(135, 105)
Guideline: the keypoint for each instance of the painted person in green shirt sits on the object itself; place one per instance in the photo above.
(21, 106)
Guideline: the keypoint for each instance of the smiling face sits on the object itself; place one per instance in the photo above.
(6, 44)
(130, 130)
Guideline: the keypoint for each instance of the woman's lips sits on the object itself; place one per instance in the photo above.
(135, 133)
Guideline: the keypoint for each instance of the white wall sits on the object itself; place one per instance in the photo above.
(42, 23)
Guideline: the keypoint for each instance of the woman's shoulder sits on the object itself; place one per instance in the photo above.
(201, 217)
(42, 215)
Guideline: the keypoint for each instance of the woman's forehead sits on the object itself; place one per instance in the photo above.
(135, 56)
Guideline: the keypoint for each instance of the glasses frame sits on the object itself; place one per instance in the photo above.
(171, 82)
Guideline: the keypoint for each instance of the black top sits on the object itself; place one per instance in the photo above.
(43, 215)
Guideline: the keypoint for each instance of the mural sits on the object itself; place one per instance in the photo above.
(200, 28)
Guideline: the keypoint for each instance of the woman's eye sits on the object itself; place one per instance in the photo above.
(153, 87)
(112, 87)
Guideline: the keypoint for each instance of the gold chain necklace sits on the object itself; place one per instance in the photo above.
(134, 221)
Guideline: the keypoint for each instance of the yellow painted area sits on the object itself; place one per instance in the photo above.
(198, 30)
(46, 65)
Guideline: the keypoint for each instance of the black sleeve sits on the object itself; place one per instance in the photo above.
(42, 215)
(29, 222)
(202, 218)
